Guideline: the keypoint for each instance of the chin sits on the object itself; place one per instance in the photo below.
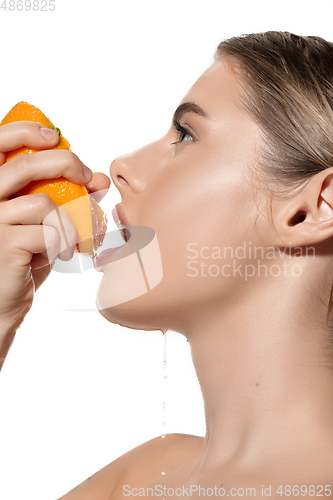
(131, 291)
(139, 313)
(130, 318)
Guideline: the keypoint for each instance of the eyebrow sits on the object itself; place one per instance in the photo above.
(185, 108)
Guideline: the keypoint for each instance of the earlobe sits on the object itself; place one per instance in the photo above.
(307, 217)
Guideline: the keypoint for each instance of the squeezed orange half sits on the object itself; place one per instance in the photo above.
(86, 214)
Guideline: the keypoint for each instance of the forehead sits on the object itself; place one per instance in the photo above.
(218, 92)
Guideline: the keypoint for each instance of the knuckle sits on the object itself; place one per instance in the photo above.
(76, 158)
(21, 163)
(70, 159)
(27, 130)
(51, 241)
(69, 156)
(44, 201)
(51, 235)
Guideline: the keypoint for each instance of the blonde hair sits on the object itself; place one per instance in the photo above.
(287, 83)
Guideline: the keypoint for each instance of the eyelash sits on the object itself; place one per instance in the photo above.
(183, 131)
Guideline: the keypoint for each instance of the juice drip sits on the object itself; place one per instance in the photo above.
(164, 379)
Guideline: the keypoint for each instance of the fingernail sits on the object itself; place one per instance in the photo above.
(87, 172)
(47, 133)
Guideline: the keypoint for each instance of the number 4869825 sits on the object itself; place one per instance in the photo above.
(36, 5)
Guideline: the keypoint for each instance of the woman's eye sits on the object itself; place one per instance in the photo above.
(184, 135)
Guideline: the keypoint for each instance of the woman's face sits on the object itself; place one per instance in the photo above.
(196, 194)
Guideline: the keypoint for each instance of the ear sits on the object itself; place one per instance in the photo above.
(306, 218)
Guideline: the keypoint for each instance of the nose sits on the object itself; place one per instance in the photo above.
(125, 176)
(132, 172)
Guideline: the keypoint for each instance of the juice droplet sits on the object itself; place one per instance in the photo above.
(164, 378)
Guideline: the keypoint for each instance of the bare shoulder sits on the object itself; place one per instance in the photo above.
(142, 462)
(185, 445)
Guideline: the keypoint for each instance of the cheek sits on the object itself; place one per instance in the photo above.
(205, 202)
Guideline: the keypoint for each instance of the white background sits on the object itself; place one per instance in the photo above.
(76, 391)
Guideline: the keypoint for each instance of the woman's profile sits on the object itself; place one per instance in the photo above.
(240, 194)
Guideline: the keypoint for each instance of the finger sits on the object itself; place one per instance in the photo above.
(25, 241)
(17, 134)
(98, 186)
(21, 170)
(39, 209)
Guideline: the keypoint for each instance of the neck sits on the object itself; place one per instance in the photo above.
(265, 378)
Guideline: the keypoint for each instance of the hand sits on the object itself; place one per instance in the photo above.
(26, 244)
(97, 188)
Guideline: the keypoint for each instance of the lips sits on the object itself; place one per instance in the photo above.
(120, 218)
(105, 256)
(119, 215)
